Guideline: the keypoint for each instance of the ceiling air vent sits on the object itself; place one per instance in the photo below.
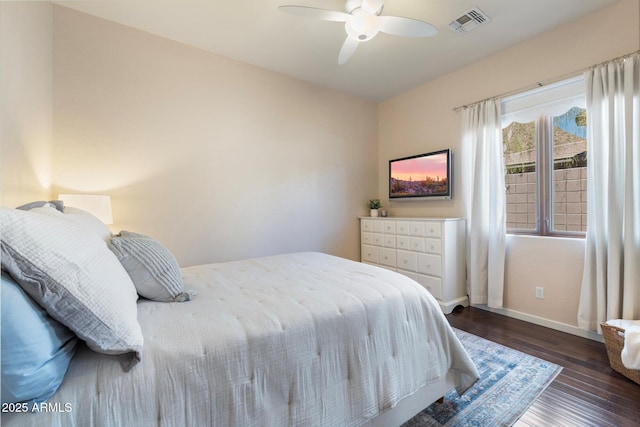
(468, 21)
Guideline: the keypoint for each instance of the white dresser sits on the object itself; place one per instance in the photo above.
(431, 251)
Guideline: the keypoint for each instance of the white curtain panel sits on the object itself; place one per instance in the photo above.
(483, 171)
(611, 278)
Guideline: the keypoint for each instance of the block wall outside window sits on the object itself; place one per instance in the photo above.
(569, 200)
(521, 201)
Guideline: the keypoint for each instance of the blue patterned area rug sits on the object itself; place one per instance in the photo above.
(509, 383)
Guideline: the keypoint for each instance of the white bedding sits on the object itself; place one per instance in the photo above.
(303, 339)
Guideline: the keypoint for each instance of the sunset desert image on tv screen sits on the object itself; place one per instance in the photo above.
(419, 176)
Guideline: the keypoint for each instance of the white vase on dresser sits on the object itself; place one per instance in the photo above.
(431, 251)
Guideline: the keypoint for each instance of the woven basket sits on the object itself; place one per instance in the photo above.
(614, 341)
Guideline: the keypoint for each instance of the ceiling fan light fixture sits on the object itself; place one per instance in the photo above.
(362, 26)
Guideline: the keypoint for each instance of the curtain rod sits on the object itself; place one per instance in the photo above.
(548, 81)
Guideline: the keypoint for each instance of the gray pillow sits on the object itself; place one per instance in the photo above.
(152, 267)
(58, 204)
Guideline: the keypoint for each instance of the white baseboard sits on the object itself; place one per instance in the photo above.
(552, 324)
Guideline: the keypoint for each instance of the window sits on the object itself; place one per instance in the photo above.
(545, 146)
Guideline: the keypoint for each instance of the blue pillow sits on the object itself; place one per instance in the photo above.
(36, 349)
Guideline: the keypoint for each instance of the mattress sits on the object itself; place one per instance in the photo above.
(287, 340)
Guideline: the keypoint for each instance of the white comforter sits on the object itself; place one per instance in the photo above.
(293, 340)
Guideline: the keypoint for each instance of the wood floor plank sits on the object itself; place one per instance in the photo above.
(587, 393)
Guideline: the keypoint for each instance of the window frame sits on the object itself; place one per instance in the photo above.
(545, 203)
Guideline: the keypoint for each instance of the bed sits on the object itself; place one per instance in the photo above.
(285, 340)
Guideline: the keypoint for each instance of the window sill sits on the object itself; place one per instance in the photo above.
(557, 236)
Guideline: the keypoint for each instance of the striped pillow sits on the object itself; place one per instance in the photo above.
(152, 267)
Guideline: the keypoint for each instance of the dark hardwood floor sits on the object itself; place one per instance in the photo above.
(586, 393)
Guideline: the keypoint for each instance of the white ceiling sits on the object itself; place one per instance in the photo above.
(256, 32)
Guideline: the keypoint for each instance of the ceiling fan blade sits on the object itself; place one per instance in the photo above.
(348, 47)
(313, 12)
(399, 26)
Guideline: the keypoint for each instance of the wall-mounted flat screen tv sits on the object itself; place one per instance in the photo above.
(426, 176)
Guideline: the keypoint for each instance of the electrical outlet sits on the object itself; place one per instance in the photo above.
(539, 292)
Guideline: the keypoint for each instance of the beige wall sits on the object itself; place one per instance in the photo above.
(26, 54)
(217, 159)
(422, 120)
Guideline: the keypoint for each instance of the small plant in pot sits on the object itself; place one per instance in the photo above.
(374, 205)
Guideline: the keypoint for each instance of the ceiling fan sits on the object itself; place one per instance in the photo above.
(363, 20)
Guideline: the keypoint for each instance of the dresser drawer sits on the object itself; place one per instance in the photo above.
(367, 238)
(417, 228)
(377, 239)
(432, 284)
(402, 227)
(406, 260)
(418, 244)
(403, 242)
(410, 274)
(389, 241)
(366, 225)
(387, 257)
(432, 229)
(433, 246)
(369, 253)
(430, 264)
(389, 227)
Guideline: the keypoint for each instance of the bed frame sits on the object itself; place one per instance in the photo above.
(411, 405)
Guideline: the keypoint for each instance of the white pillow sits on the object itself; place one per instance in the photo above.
(88, 220)
(73, 275)
(78, 216)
